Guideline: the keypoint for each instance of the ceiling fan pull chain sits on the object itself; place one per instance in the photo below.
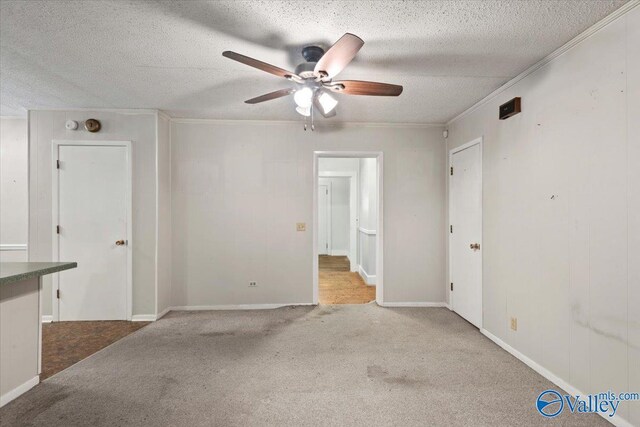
(312, 125)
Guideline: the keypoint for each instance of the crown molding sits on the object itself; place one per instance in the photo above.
(164, 115)
(102, 110)
(299, 122)
(552, 56)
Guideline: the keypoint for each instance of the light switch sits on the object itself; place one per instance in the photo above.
(301, 226)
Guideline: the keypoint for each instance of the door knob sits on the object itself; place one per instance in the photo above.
(475, 246)
(120, 242)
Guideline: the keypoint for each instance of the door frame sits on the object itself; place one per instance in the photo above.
(353, 214)
(478, 141)
(55, 283)
(328, 213)
(379, 156)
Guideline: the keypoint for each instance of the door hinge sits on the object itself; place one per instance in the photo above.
(57, 164)
(58, 293)
(327, 246)
(451, 170)
(451, 229)
(451, 285)
(57, 229)
(326, 191)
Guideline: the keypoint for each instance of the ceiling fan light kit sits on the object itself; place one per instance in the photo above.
(327, 102)
(303, 97)
(315, 76)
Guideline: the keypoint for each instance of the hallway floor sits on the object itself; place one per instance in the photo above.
(338, 285)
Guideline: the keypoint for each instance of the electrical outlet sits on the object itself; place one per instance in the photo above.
(514, 323)
(253, 284)
(301, 226)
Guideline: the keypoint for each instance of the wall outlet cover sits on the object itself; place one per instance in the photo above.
(514, 323)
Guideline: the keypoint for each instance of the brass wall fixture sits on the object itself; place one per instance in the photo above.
(92, 125)
(475, 246)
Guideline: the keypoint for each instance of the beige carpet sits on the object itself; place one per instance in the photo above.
(339, 365)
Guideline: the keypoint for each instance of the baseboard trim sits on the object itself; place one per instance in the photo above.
(369, 279)
(415, 304)
(143, 317)
(366, 231)
(234, 307)
(153, 317)
(162, 313)
(47, 318)
(339, 252)
(21, 389)
(615, 420)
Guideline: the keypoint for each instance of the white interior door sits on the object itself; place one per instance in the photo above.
(466, 233)
(93, 211)
(324, 218)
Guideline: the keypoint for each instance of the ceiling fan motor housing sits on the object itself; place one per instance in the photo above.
(305, 70)
(312, 55)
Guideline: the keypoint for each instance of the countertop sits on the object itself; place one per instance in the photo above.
(16, 271)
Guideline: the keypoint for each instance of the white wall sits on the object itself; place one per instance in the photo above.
(347, 169)
(340, 215)
(561, 229)
(338, 164)
(14, 189)
(140, 128)
(164, 214)
(239, 188)
(368, 207)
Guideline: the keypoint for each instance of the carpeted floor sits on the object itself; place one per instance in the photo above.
(66, 343)
(338, 285)
(341, 365)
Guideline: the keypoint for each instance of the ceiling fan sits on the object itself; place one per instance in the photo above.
(314, 78)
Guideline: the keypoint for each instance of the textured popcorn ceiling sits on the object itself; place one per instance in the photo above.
(167, 55)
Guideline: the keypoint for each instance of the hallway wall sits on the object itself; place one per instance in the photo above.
(368, 227)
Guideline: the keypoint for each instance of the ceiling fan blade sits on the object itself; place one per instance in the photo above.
(359, 87)
(269, 96)
(338, 56)
(258, 64)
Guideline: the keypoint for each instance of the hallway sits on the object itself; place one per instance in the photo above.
(338, 285)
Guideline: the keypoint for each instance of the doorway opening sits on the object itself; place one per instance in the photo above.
(347, 228)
